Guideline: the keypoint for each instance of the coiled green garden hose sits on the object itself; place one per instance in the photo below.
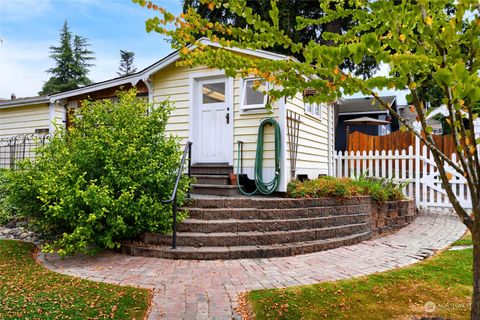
(262, 186)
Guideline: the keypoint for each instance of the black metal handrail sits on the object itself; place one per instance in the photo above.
(173, 198)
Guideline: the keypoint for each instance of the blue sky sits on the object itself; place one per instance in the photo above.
(29, 27)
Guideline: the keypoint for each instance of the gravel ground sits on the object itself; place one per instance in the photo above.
(18, 231)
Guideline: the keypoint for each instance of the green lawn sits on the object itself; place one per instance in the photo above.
(445, 280)
(30, 291)
(464, 241)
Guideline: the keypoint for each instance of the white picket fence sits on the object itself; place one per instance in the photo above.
(398, 165)
(414, 166)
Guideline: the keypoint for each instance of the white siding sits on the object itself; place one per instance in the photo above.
(246, 129)
(24, 119)
(173, 84)
(313, 142)
(60, 116)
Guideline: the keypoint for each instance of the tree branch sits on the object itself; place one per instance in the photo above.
(409, 127)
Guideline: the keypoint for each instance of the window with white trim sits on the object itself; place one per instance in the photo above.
(312, 108)
(253, 98)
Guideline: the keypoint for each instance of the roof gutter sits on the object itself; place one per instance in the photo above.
(23, 102)
(133, 79)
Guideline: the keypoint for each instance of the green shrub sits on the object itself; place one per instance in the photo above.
(104, 179)
(371, 186)
(322, 187)
(7, 211)
(393, 189)
(381, 190)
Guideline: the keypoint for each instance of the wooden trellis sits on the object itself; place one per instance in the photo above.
(293, 128)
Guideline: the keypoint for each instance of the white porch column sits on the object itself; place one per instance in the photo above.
(417, 127)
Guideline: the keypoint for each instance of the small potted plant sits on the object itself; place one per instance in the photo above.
(233, 179)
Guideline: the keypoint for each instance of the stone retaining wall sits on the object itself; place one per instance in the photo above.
(263, 227)
(386, 217)
(392, 215)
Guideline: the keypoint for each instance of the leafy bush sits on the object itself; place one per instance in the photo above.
(381, 190)
(104, 179)
(322, 187)
(394, 190)
(7, 212)
(371, 186)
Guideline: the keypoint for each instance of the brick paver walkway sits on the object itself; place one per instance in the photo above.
(208, 289)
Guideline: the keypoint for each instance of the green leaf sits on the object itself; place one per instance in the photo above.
(443, 77)
(460, 72)
(409, 98)
(475, 95)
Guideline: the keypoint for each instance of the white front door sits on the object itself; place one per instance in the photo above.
(213, 139)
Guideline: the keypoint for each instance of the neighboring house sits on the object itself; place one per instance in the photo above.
(359, 107)
(214, 112)
(29, 115)
(411, 116)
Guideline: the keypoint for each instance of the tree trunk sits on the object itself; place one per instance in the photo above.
(476, 275)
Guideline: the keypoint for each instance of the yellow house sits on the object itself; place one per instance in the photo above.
(215, 112)
(29, 116)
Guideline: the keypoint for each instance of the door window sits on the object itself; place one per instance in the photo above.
(213, 92)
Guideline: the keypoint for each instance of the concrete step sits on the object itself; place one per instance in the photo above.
(212, 179)
(261, 225)
(211, 169)
(215, 189)
(276, 202)
(273, 214)
(239, 252)
(228, 239)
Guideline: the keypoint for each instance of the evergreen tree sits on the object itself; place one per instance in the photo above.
(71, 63)
(82, 56)
(126, 63)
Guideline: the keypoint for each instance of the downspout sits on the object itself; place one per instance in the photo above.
(51, 117)
(149, 84)
(331, 138)
(282, 117)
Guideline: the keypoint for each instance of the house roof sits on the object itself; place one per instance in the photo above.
(363, 105)
(443, 110)
(162, 63)
(24, 101)
(134, 78)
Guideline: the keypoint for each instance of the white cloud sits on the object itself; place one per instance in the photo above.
(20, 10)
(22, 66)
